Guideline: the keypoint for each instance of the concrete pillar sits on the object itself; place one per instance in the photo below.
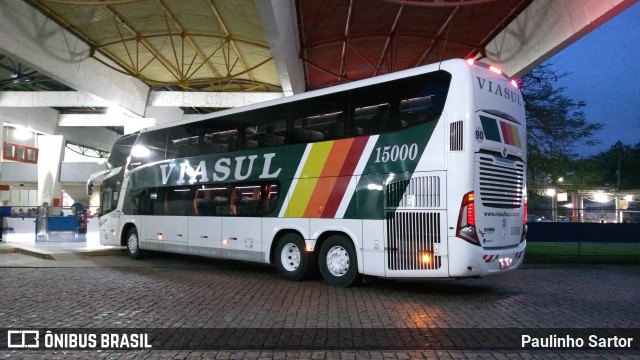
(50, 154)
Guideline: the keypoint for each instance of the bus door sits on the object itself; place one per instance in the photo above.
(110, 217)
(110, 220)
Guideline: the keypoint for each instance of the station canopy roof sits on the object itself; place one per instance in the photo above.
(221, 45)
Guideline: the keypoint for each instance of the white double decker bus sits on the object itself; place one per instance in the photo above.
(415, 174)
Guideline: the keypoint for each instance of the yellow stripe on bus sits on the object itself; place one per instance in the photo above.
(308, 178)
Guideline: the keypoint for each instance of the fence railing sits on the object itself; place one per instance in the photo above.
(586, 215)
(583, 241)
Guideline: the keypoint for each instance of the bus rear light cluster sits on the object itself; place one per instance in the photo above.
(524, 221)
(466, 229)
(494, 69)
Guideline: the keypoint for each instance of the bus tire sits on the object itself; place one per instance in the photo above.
(133, 244)
(292, 261)
(338, 262)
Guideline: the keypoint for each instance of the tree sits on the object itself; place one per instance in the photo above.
(606, 164)
(556, 126)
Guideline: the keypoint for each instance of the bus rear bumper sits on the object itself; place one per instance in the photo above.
(467, 260)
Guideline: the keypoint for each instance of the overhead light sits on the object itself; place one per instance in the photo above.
(22, 133)
(600, 197)
(140, 151)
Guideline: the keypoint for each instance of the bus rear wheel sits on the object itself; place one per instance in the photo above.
(338, 262)
(133, 244)
(292, 260)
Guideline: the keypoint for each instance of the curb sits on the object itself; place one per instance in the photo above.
(7, 249)
(39, 254)
(52, 256)
(101, 252)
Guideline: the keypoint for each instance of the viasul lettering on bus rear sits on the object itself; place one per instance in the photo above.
(498, 90)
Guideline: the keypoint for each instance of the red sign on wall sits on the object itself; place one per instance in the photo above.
(20, 153)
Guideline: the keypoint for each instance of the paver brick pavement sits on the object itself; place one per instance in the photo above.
(248, 306)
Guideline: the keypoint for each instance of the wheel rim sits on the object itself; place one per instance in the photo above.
(338, 261)
(133, 243)
(290, 257)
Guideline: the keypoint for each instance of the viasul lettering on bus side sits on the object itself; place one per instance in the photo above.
(226, 168)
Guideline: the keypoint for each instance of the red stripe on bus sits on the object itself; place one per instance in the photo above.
(346, 172)
(325, 184)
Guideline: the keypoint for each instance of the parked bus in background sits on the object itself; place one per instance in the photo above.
(411, 175)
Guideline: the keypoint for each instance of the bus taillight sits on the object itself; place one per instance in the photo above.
(467, 220)
(524, 221)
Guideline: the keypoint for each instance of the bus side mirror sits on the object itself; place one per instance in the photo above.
(90, 189)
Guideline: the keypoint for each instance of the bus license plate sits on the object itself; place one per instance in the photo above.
(505, 263)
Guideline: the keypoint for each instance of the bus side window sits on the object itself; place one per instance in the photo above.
(321, 118)
(269, 126)
(269, 198)
(220, 135)
(141, 202)
(150, 147)
(177, 200)
(236, 199)
(121, 151)
(203, 202)
(183, 142)
(372, 109)
(417, 110)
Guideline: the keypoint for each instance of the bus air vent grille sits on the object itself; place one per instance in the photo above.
(418, 192)
(411, 236)
(501, 182)
(456, 136)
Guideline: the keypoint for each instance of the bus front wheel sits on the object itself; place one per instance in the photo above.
(292, 260)
(133, 244)
(338, 262)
